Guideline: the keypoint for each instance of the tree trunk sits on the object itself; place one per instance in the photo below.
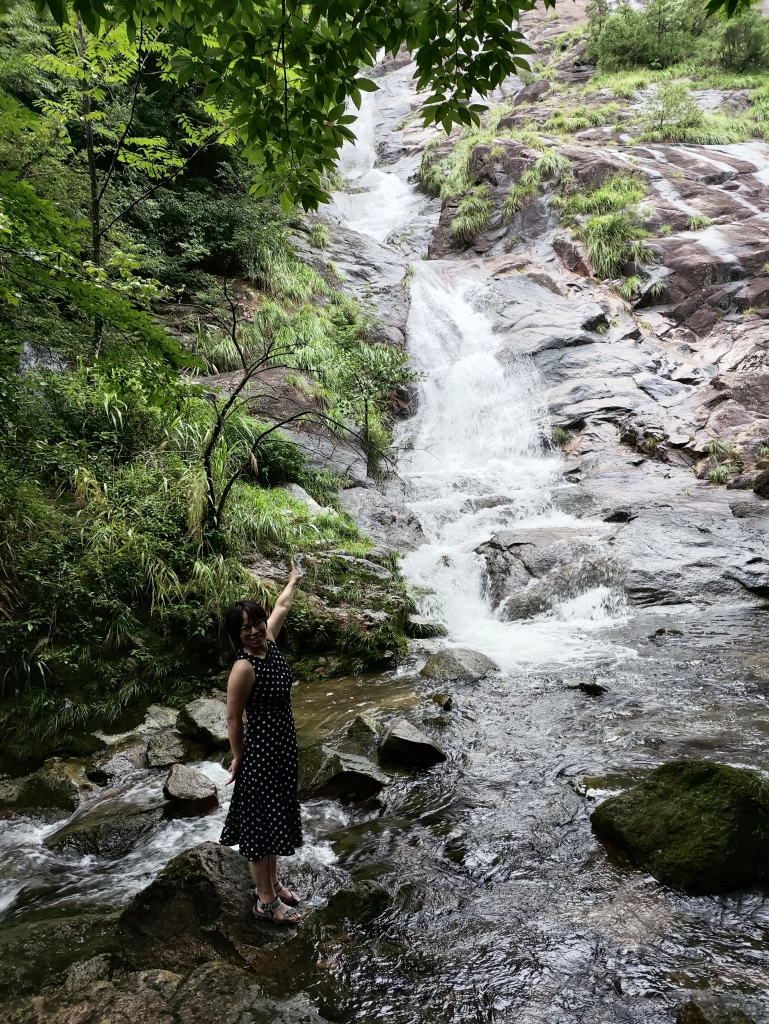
(98, 327)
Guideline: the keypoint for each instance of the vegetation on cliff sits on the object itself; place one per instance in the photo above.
(133, 491)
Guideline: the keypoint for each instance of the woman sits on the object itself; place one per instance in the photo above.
(263, 818)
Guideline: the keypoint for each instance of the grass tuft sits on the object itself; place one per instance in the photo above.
(473, 215)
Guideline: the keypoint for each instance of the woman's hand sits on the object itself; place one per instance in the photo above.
(234, 769)
(294, 576)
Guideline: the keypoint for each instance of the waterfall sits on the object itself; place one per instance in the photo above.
(474, 459)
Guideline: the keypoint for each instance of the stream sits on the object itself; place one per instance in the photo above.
(506, 908)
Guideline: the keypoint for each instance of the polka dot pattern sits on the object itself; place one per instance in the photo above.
(264, 818)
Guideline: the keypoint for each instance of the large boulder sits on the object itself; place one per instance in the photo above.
(205, 721)
(459, 665)
(405, 744)
(189, 792)
(333, 775)
(58, 785)
(113, 768)
(385, 519)
(169, 747)
(109, 831)
(198, 908)
(694, 825)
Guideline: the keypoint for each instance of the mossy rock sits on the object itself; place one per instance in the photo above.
(40, 949)
(359, 903)
(695, 825)
(58, 785)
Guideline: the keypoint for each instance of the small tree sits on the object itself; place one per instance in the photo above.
(101, 78)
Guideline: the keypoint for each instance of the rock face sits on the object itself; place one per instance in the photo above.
(58, 785)
(330, 774)
(458, 665)
(205, 721)
(381, 517)
(405, 744)
(694, 825)
(198, 908)
(189, 792)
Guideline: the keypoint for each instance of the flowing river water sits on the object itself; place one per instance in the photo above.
(505, 908)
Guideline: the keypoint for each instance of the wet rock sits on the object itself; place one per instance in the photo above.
(456, 664)
(205, 721)
(588, 686)
(105, 831)
(562, 584)
(213, 993)
(218, 993)
(749, 510)
(711, 1009)
(364, 728)
(334, 775)
(169, 747)
(108, 770)
(532, 92)
(190, 792)
(694, 825)
(9, 791)
(405, 744)
(197, 909)
(159, 717)
(57, 785)
(385, 520)
(444, 700)
(41, 949)
(359, 903)
(743, 482)
(761, 484)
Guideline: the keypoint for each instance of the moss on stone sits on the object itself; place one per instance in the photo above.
(694, 825)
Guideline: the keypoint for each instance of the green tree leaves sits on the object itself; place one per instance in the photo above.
(284, 71)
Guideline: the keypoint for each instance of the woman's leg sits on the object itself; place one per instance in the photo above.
(261, 872)
(285, 894)
(264, 875)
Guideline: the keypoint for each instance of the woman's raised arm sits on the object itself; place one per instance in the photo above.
(283, 604)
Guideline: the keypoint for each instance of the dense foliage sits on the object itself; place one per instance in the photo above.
(284, 71)
(665, 32)
(132, 494)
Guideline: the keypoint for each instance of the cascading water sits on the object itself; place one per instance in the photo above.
(474, 457)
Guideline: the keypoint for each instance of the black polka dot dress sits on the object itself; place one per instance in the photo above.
(263, 818)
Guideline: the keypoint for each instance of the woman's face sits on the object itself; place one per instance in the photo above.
(253, 632)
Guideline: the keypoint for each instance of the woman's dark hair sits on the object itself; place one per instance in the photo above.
(233, 620)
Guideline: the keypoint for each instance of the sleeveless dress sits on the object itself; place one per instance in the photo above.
(264, 818)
